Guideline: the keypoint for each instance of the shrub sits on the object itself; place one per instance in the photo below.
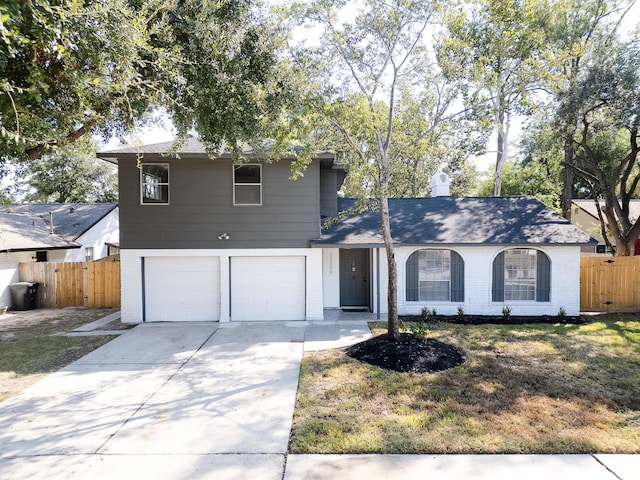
(562, 314)
(506, 313)
(419, 330)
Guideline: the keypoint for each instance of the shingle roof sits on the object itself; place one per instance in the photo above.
(456, 221)
(28, 227)
(20, 232)
(191, 146)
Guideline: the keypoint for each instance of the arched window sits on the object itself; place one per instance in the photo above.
(521, 274)
(435, 276)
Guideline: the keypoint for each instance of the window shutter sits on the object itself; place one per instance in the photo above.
(411, 286)
(497, 291)
(457, 278)
(543, 278)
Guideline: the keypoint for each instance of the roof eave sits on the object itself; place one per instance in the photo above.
(39, 249)
(318, 244)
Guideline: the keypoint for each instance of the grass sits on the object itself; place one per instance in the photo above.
(32, 348)
(522, 389)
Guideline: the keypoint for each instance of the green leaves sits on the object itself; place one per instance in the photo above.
(69, 67)
(69, 174)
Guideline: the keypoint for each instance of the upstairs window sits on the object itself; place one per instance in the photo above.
(247, 184)
(435, 276)
(154, 183)
(521, 274)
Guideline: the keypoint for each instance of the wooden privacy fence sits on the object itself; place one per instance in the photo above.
(74, 284)
(609, 284)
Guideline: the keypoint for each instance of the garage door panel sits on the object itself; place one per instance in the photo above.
(182, 289)
(268, 288)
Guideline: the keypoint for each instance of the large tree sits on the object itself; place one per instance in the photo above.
(605, 110)
(573, 32)
(68, 68)
(70, 174)
(73, 67)
(494, 46)
(380, 103)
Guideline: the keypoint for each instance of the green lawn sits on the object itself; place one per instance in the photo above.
(31, 344)
(523, 388)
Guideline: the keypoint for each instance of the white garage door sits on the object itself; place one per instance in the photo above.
(268, 288)
(182, 289)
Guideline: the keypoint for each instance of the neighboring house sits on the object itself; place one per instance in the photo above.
(206, 239)
(54, 232)
(584, 215)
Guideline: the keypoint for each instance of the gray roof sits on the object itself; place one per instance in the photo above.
(456, 221)
(191, 147)
(28, 227)
(26, 233)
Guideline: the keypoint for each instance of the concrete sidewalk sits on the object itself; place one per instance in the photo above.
(462, 467)
(215, 401)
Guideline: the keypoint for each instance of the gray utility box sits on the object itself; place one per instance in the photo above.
(23, 295)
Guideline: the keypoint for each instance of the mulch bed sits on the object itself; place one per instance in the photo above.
(495, 319)
(407, 354)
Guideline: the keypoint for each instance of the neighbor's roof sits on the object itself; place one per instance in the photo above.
(589, 206)
(191, 147)
(28, 227)
(456, 221)
(26, 233)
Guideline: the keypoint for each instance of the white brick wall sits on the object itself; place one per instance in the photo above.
(131, 277)
(478, 268)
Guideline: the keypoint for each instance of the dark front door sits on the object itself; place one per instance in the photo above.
(354, 278)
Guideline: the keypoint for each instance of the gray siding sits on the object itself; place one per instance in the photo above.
(328, 193)
(201, 208)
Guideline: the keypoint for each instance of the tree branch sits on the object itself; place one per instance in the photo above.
(39, 150)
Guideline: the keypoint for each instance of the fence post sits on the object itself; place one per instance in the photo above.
(85, 284)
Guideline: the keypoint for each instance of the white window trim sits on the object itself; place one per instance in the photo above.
(233, 179)
(142, 202)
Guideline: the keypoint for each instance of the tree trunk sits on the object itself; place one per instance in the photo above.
(567, 179)
(393, 327)
(501, 154)
(624, 249)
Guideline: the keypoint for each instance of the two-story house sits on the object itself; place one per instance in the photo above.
(204, 239)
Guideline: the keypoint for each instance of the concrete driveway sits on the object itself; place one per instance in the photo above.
(161, 401)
